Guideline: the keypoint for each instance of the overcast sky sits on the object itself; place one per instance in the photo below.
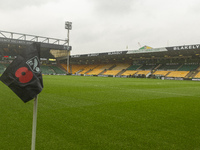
(106, 25)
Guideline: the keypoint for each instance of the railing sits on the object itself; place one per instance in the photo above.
(21, 38)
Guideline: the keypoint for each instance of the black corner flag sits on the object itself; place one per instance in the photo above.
(23, 76)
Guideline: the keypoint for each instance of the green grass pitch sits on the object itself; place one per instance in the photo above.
(97, 113)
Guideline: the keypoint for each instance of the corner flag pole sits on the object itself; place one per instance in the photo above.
(34, 123)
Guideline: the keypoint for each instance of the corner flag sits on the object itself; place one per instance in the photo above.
(23, 76)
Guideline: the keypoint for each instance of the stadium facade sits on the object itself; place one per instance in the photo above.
(176, 62)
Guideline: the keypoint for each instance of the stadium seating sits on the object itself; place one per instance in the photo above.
(143, 72)
(116, 69)
(87, 68)
(161, 73)
(178, 74)
(133, 67)
(197, 75)
(147, 67)
(169, 67)
(47, 70)
(44, 68)
(57, 70)
(129, 72)
(111, 72)
(76, 68)
(97, 70)
(186, 67)
(64, 66)
(107, 66)
(100, 68)
(121, 66)
(167, 70)
(2, 68)
(94, 72)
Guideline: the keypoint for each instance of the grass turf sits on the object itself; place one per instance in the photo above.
(76, 112)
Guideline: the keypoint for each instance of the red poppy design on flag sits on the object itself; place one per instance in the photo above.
(24, 75)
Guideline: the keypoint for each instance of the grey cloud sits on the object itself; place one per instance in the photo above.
(13, 5)
(113, 7)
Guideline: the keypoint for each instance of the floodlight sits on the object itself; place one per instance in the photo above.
(68, 25)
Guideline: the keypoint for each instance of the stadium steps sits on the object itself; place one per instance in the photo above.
(122, 71)
(157, 67)
(58, 70)
(197, 75)
(63, 68)
(179, 67)
(112, 67)
(153, 71)
(167, 74)
(139, 67)
(198, 69)
(129, 72)
(2, 68)
(190, 74)
(133, 67)
(194, 73)
(46, 70)
(102, 72)
(88, 71)
(79, 71)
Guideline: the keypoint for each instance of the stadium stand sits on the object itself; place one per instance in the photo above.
(147, 67)
(116, 69)
(187, 67)
(178, 74)
(47, 70)
(57, 70)
(121, 66)
(76, 68)
(133, 67)
(143, 72)
(111, 72)
(129, 72)
(97, 70)
(161, 73)
(2, 68)
(197, 75)
(170, 67)
(87, 69)
(176, 61)
(64, 66)
(107, 66)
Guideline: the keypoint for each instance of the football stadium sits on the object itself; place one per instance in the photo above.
(126, 99)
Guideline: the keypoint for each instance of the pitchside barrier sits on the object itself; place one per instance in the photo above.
(142, 76)
(177, 78)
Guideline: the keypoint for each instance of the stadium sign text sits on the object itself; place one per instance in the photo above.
(75, 56)
(96, 54)
(186, 47)
(115, 53)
